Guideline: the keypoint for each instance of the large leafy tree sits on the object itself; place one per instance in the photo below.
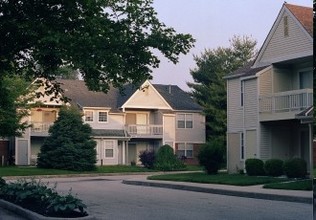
(14, 97)
(69, 145)
(209, 87)
(111, 42)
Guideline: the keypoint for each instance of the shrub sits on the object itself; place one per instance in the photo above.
(254, 167)
(211, 156)
(38, 197)
(69, 145)
(295, 168)
(2, 182)
(147, 158)
(273, 167)
(166, 160)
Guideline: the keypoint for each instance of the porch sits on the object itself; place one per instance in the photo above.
(284, 105)
(145, 131)
(40, 128)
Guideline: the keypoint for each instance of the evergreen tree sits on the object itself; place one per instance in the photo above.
(209, 88)
(69, 145)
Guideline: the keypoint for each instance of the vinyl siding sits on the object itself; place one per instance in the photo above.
(192, 135)
(265, 83)
(265, 143)
(283, 80)
(234, 164)
(234, 110)
(250, 103)
(282, 48)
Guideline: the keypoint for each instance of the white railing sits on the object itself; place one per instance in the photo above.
(41, 127)
(286, 101)
(144, 130)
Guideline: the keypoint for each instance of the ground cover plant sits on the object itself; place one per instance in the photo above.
(221, 178)
(40, 198)
(292, 185)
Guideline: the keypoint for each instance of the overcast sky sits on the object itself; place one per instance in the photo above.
(212, 23)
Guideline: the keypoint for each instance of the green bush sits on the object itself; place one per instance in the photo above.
(295, 168)
(69, 146)
(211, 156)
(38, 197)
(273, 167)
(254, 167)
(166, 160)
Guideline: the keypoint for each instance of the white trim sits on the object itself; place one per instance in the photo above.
(146, 84)
(185, 120)
(107, 117)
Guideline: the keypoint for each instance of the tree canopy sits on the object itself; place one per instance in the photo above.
(209, 88)
(109, 41)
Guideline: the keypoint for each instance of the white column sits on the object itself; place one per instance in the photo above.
(123, 153)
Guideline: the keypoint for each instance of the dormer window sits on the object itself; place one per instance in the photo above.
(103, 116)
(286, 26)
(88, 115)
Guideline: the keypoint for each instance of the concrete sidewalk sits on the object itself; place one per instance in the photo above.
(241, 191)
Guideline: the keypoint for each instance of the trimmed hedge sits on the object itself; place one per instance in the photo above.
(295, 168)
(254, 167)
(166, 160)
(274, 167)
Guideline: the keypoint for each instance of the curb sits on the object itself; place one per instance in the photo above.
(35, 216)
(254, 195)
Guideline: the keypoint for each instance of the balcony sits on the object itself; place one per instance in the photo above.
(145, 131)
(40, 128)
(284, 105)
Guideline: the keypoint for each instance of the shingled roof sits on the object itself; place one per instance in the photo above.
(177, 98)
(304, 15)
(246, 70)
(81, 96)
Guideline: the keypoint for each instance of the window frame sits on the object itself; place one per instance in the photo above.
(242, 146)
(185, 120)
(106, 147)
(85, 115)
(107, 116)
(184, 148)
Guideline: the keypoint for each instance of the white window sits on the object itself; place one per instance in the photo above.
(185, 150)
(241, 93)
(103, 116)
(184, 121)
(88, 115)
(108, 149)
(242, 146)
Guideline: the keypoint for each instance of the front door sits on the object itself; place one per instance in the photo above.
(22, 152)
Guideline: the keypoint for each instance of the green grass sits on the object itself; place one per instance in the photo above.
(33, 171)
(295, 185)
(228, 179)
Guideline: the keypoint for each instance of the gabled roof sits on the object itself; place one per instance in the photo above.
(177, 98)
(303, 15)
(79, 94)
(245, 71)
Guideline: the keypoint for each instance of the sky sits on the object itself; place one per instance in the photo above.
(213, 23)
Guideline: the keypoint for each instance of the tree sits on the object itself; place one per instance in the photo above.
(209, 88)
(111, 42)
(69, 145)
(14, 95)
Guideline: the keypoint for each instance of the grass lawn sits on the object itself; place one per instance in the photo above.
(32, 171)
(222, 178)
(295, 185)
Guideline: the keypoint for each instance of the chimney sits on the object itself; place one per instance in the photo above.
(169, 89)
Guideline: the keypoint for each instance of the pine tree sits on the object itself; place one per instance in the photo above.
(69, 145)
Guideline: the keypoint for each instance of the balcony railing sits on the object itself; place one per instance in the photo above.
(39, 127)
(294, 100)
(145, 130)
